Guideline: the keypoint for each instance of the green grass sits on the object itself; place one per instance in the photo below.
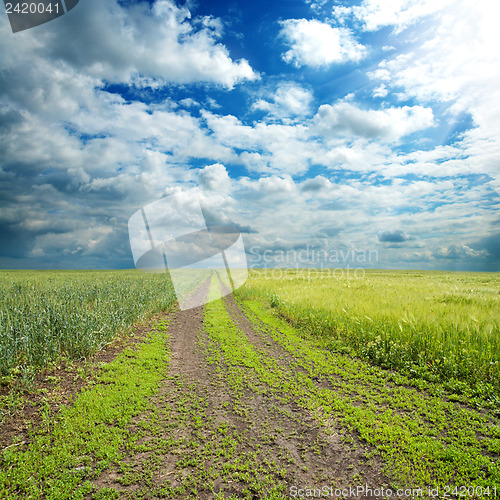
(89, 436)
(431, 325)
(423, 439)
(183, 437)
(46, 315)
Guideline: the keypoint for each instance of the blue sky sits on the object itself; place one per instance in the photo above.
(361, 128)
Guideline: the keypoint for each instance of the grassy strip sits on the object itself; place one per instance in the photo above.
(436, 326)
(263, 478)
(45, 315)
(425, 440)
(85, 438)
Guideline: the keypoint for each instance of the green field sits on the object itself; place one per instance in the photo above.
(388, 379)
(434, 325)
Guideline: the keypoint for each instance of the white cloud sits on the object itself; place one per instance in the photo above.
(61, 128)
(189, 103)
(454, 57)
(316, 44)
(376, 14)
(355, 213)
(339, 136)
(270, 186)
(316, 184)
(458, 251)
(162, 42)
(282, 147)
(80, 242)
(390, 124)
(454, 60)
(80, 160)
(256, 162)
(214, 178)
(380, 91)
(288, 100)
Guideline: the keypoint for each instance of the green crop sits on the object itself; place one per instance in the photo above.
(45, 315)
(431, 325)
(87, 437)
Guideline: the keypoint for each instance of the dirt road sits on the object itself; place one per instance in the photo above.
(204, 441)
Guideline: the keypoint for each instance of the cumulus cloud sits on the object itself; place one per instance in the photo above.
(288, 100)
(316, 44)
(214, 178)
(82, 242)
(78, 159)
(392, 123)
(274, 146)
(162, 41)
(318, 183)
(375, 14)
(381, 91)
(335, 137)
(270, 186)
(458, 251)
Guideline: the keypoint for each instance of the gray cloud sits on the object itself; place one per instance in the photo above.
(388, 124)
(490, 244)
(316, 184)
(396, 236)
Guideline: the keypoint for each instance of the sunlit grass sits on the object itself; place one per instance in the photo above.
(423, 438)
(434, 325)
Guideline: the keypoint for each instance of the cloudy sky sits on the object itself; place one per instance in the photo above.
(359, 130)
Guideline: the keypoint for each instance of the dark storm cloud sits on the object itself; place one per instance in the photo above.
(15, 243)
(490, 244)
